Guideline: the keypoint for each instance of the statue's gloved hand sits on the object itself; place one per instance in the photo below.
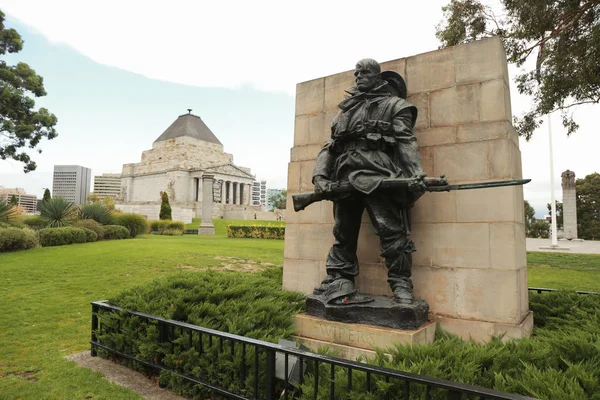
(418, 184)
(322, 184)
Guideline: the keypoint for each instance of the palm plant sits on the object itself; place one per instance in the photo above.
(98, 212)
(8, 212)
(58, 212)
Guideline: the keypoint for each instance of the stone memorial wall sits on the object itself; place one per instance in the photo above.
(470, 264)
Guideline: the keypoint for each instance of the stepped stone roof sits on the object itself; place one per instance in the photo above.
(189, 125)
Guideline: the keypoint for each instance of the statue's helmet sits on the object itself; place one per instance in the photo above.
(396, 81)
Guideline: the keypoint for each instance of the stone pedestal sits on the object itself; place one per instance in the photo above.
(206, 227)
(470, 264)
(354, 340)
(569, 212)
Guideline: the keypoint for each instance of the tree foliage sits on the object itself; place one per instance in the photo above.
(529, 216)
(563, 35)
(165, 207)
(20, 125)
(559, 213)
(109, 203)
(539, 229)
(279, 200)
(93, 198)
(46, 195)
(588, 206)
(14, 201)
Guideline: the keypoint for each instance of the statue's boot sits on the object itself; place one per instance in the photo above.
(342, 291)
(403, 291)
(319, 290)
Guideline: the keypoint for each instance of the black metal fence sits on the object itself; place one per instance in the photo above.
(544, 290)
(262, 370)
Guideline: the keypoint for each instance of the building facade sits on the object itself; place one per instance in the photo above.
(27, 201)
(176, 164)
(71, 182)
(259, 193)
(108, 185)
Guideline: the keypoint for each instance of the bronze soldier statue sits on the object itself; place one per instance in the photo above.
(372, 140)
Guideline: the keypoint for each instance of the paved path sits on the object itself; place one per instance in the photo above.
(585, 247)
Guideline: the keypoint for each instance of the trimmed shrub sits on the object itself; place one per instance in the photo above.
(161, 225)
(165, 207)
(90, 235)
(97, 212)
(256, 232)
(63, 236)
(115, 232)
(135, 223)
(35, 222)
(12, 239)
(172, 232)
(91, 225)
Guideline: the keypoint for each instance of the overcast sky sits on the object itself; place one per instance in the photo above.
(119, 72)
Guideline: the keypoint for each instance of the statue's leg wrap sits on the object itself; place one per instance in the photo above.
(396, 246)
(341, 260)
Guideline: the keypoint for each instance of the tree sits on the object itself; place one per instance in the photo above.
(279, 200)
(563, 35)
(46, 195)
(20, 125)
(559, 213)
(588, 206)
(14, 201)
(58, 212)
(109, 203)
(529, 217)
(539, 229)
(165, 207)
(93, 198)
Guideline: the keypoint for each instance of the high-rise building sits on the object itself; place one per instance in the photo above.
(27, 201)
(259, 193)
(71, 182)
(108, 185)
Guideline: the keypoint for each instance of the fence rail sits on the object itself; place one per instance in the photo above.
(271, 379)
(542, 290)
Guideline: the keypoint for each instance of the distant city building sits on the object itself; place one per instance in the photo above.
(27, 201)
(259, 193)
(71, 182)
(108, 185)
(270, 194)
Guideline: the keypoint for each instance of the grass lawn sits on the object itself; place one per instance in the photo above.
(564, 271)
(45, 292)
(45, 311)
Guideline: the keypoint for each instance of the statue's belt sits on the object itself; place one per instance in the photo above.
(370, 141)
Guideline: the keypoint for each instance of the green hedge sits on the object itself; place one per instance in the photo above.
(136, 224)
(256, 232)
(65, 235)
(12, 239)
(116, 232)
(249, 304)
(93, 226)
(161, 226)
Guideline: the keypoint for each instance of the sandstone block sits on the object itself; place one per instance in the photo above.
(398, 65)
(505, 159)
(483, 131)
(304, 153)
(507, 245)
(495, 101)
(422, 236)
(437, 286)
(487, 205)
(293, 182)
(421, 101)
(455, 105)
(314, 241)
(461, 245)
(462, 162)
(480, 61)
(301, 275)
(335, 88)
(436, 136)
(430, 71)
(309, 97)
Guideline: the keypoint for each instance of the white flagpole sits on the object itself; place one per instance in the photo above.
(553, 202)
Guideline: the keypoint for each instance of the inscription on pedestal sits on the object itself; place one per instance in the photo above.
(340, 334)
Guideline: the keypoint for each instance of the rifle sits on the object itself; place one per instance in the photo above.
(303, 200)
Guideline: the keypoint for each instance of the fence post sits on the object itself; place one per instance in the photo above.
(94, 328)
(270, 389)
(452, 395)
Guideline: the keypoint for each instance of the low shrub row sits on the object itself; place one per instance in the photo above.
(559, 362)
(256, 232)
(12, 239)
(65, 235)
(165, 227)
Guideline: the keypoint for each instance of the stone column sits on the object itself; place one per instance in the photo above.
(206, 227)
(223, 192)
(235, 193)
(569, 205)
(249, 194)
(242, 192)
